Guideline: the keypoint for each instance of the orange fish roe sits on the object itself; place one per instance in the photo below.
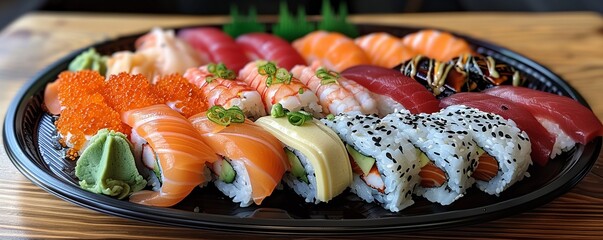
(75, 85)
(85, 118)
(125, 92)
(177, 92)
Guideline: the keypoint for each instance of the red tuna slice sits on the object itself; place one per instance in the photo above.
(576, 120)
(215, 46)
(541, 140)
(402, 89)
(264, 46)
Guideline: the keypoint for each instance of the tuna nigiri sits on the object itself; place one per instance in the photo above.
(254, 160)
(277, 85)
(334, 50)
(214, 45)
(439, 45)
(397, 91)
(264, 46)
(384, 49)
(181, 155)
(221, 87)
(542, 142)
(572, 117)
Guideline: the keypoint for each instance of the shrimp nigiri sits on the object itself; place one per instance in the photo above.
(333, 97)
(180, 153)
(221, 87)
(441, 46)
(277, 85)
(334, 50)
(384, 49)
(254, 160)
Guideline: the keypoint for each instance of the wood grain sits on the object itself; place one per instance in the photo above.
(570, 44)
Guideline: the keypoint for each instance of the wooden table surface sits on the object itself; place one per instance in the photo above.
(570, 44)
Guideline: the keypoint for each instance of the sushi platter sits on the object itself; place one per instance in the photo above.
(34, 143)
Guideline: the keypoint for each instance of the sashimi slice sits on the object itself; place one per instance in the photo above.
(261, 152)
(541, 140)
(264, 46)
(384, 49)
(402, 89)
(216, 46)
(573, 118)
(181, 152)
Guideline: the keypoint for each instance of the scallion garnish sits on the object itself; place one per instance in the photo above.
(326, 76)
(219, 71)
(277, 111)
(298, 118)
(274, 74)
(225, 117)
(330, 117)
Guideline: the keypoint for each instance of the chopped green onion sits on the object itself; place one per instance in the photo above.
(274, 74)
(298, 118)
(219, 71)
(330, 117)
(300, 91)
(225, 117)
(326, 76)
(277, 111)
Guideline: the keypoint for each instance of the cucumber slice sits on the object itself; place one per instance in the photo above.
(296, 167)
(227, 173)
(364, 162)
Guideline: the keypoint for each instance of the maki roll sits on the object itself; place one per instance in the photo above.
(505, 148)
(384, 166)
(253, 161)
(320, 167)
(445, 145)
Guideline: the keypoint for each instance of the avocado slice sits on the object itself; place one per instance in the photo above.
(227, 173)
(296, 167)
(423, 159)
(364, 162)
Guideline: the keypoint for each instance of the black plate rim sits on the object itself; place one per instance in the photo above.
(588, 155)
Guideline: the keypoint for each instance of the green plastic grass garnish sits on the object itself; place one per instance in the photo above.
(289, 27)
(240, 25)
(332, 23)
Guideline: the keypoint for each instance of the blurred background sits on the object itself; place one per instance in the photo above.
(11, 9)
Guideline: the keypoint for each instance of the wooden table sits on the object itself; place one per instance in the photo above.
(570, 44)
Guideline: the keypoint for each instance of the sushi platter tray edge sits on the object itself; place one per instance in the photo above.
(27, 132)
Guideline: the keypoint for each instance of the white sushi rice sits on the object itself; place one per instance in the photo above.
(306, 190)
(563, 142)
(452, 151)
(251, 104)
(394, 158)
(498, 137)
(240, 189)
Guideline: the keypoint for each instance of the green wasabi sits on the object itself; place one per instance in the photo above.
(91, 60)
(107, 166)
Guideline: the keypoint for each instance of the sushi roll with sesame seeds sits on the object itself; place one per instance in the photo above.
(384, 166)
(443, 144)
(505, 148)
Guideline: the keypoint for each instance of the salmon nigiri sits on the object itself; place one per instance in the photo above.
(177, 147)
(384, 49)
(435, 44)
(334, 50)
(253, 159)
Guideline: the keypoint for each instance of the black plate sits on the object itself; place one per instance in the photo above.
(28, 133)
